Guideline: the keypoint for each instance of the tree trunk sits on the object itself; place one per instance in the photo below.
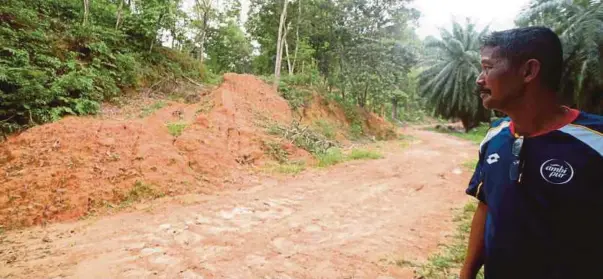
(289, 67)
(156, 28)
(203, 15)
(395, 109)
(119, 14)
(277, 64)
(86, 12)
(296, 35)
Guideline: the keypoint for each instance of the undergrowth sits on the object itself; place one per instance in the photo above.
(326, 128)
(287, 167)
(303, 137)
(335, 156)
(470, 164)
(140, 191)
(446, 263)
(330, 157)
(52, 65)
(359, 154)
(152, 108)
(176, 128)
(476, 135)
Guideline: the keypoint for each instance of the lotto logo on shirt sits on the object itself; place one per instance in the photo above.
(557, 171)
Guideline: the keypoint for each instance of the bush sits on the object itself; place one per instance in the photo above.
(176, 129)
(359, 154)
(326, 128)
(303, 137)
(331, 157)
(51, 65)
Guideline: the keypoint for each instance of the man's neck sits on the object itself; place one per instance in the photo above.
(532, 115)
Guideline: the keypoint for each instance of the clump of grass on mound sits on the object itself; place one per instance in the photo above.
(303, 137)
(140, 191)
(176, 128)
(152, 108)
(326, 128)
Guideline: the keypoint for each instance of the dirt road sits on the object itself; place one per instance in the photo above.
(350, 221)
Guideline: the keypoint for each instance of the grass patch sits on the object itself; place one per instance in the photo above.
(356, 131)
(331, 157)
(335, 156)
(476, 135)
(446, 263)
(303, 137)
(139, 192)
(291, 168)
(276, 152)
(470, 164)
(175, 129)
(326, 128)
(152, 108)
(360, 154)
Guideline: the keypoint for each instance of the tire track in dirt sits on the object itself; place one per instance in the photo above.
(350, 221)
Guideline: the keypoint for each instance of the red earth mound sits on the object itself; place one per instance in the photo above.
(321, 108)
(64, 170)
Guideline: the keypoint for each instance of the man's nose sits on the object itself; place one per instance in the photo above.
(480, 79)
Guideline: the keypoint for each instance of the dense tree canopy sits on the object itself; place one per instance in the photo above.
(448, 82)
(66, 57)
(579, 24)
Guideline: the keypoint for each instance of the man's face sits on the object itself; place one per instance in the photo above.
(499, 84)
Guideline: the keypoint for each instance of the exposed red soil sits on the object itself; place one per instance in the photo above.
(64, 170)
(353, 220)
(322, 108)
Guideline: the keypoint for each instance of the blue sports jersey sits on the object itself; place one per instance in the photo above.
(549, 224)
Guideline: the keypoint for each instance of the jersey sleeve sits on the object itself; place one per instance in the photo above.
(475, 188)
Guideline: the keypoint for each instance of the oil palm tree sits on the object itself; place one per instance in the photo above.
(579, 24)
(452, 66)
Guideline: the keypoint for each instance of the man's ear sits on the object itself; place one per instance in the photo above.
(531, 69)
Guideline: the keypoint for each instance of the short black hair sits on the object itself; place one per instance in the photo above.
(540, 43)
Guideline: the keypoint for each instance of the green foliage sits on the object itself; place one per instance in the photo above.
(175, 129)
(140, 191)
(228, 49)
(578, 24)
(360, 154)
(356, 130)
(297, 97)
(291, 168)
(448, 82)
(476, 135)
(326, 128)
(445, 263)
(358, 50)
(276, 152)
(152, 108)
(303, 137)
(471, 164)
(52, 65)
(331, 157)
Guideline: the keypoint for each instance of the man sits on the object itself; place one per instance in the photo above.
(539, 179)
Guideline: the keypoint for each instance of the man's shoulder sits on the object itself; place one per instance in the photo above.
(587, 129)
(496, 129)
(591, 121)
(500, 123)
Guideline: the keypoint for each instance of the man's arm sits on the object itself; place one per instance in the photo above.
(475, 252)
